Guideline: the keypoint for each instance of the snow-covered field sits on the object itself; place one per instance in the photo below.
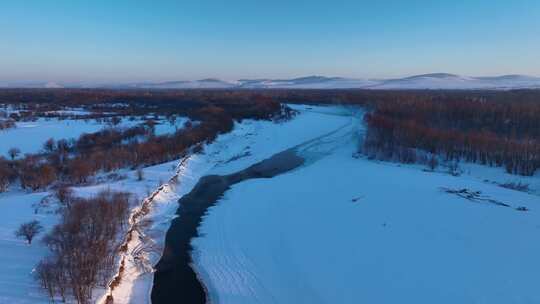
(29, 137)
(17, 259)
(346, 230)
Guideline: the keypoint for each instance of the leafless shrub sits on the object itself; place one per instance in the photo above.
(49, 145)
(29, 230)
(64, 194)
(433, 163)
(7, 174)
(519, 186)
(140, 174)
(14, 152)
(52, 278)
(42, 205)
(453, 168)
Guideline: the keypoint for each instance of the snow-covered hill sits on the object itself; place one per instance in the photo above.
(435, 81)
(451, 81)
(311, 82)
(30, 84)
(210, 83)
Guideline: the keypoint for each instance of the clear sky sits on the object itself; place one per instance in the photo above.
(130, 40)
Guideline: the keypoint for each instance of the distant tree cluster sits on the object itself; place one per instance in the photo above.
(83, 246)
(6, 124)
(490, 133)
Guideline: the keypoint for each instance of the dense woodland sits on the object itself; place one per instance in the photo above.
(493, 133)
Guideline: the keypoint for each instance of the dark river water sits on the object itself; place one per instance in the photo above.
(175, 281)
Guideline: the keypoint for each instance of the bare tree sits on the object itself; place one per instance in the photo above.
(64, 195)
(49, 145)
(6, 174)
(116, 120)
(433, 163)
(45, 274)
(14, 152)
(29, 230)
(140, 174)
(453, 168)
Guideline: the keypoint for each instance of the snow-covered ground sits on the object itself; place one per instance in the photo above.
(164, 127)
(347, 230)
(29, 137)
(17, 259)
(336, 230)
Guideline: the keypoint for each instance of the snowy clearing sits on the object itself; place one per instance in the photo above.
(17, 258)
(29, 137)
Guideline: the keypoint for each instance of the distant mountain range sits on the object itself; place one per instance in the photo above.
(436, 81)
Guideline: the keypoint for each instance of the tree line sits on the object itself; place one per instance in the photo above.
(494, 133)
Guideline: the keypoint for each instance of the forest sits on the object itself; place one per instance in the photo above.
(494, 133)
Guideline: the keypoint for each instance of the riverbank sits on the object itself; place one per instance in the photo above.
(174, 278)
(250, 142)
(344, 229)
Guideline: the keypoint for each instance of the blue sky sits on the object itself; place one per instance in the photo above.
(133, 40)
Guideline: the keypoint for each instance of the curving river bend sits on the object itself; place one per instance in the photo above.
(175, 281)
